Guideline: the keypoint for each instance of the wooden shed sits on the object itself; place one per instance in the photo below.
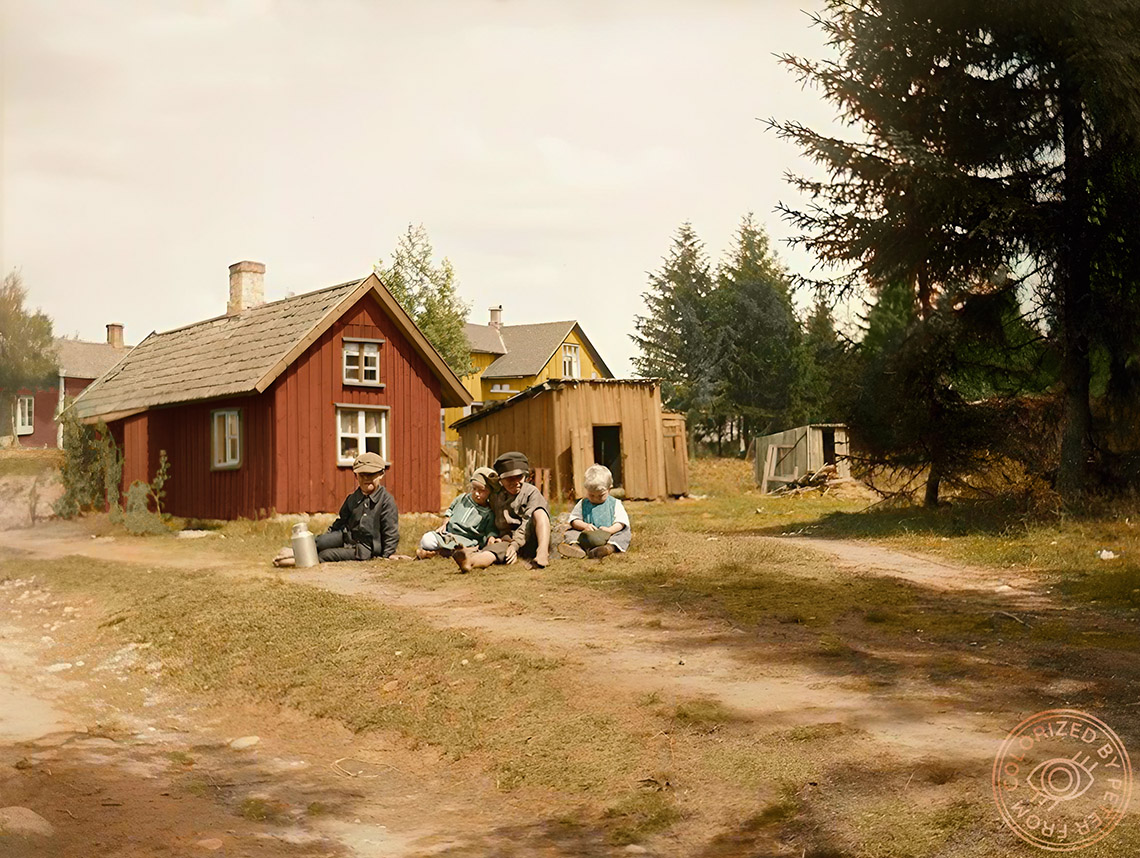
(266, 407)
(786, 456)
(564, 426)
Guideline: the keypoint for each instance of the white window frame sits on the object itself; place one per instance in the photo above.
(230, 423)
(571, 361)
(362, 349)
(360, 435)
(25, 415)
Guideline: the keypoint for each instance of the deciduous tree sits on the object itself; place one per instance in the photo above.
(27, 350)
(427, 291)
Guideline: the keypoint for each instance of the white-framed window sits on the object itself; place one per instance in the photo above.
(225, 439)
(362, 362)
(571, 368)
(360, 430)
(502, 388)
(25, 415)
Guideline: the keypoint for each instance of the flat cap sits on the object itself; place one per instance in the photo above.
(369, 463)
(512, 464)
(485, 477)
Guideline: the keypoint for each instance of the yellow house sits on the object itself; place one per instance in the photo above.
(510, 358)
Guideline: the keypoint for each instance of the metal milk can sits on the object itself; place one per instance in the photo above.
(304, 546)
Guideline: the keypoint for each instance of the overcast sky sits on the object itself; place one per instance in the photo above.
(550, 148)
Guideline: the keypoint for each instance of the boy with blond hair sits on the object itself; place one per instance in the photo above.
(599, 525)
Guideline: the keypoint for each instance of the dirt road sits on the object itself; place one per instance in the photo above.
(91, 742)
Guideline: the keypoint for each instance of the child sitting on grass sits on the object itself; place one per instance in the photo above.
(599, 525)
(522, 517)
(468, 522)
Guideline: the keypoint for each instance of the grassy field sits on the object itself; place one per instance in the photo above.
(19, 462)
(634, 766)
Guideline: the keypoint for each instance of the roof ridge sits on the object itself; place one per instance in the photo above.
(356, 282)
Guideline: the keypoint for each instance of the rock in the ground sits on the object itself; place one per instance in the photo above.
(59, 667)
(634, 849)
(244, 742)
(22, 822)
(211, 843)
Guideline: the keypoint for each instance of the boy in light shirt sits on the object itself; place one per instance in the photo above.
(599, 525)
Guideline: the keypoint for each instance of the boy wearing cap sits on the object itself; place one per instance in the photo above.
(522, 517)
(368, 524)
(468, 522)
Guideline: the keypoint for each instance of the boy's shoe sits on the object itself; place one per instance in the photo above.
(601, 551)
(571, 549)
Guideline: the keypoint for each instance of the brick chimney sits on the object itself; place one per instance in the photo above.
(497, 316)
(115, 335)
(247, 287)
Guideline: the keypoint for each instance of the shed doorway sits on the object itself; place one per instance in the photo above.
(607, 450)
(829, 446)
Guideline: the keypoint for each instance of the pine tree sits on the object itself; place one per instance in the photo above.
(427, 292)
(991, 133)
(671, 338)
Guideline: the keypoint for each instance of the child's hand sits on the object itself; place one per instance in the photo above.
(589, 527)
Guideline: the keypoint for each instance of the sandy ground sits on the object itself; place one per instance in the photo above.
(119, 767)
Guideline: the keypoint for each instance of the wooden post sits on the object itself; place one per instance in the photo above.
(769, 465)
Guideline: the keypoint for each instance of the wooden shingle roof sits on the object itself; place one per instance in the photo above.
(81, 359)
(242, 354)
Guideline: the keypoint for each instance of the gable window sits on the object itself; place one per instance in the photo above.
(25, 415)
(360, 430)
(225, 439)
(362, 362)
(570, 366)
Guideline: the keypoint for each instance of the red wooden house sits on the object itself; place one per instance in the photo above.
(34, 410)
(263, 409)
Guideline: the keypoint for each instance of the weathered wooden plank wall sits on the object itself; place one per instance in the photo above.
(550, 426)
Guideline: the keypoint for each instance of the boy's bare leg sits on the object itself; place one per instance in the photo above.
(542, 537)
(468, 558)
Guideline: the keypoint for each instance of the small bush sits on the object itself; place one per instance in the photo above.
(137, 515)
(90, 471)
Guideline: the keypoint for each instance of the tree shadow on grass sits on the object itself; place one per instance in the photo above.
(900, 640)
(955, 519)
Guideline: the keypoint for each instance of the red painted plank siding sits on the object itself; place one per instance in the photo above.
(305, 398)
(194, 488)
(135, 444)
(44, 425)
(44, 403)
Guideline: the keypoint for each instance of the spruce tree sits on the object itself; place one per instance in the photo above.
(754, 337)
(987, 135)
(671, 337)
